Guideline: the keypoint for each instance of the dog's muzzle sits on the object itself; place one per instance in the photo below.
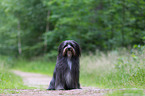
(69, 51)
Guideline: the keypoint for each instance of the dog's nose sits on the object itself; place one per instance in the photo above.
(69, 48)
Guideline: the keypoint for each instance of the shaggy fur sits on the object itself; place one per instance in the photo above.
(66, 72)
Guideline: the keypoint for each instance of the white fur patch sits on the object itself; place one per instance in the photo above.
(69, 63)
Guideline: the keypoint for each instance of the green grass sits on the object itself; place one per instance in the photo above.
(114, 70)
(9, 80)
(127, 92)
(37, 66)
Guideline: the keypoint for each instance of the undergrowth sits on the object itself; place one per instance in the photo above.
(116, 69)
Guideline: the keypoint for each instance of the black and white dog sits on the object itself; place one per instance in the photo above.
(66, 72)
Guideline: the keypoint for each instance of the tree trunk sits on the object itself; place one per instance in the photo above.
(19, 39)
(47, 29)
(123, 17)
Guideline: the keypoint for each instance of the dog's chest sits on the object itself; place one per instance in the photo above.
(69, 62)
(68, 74)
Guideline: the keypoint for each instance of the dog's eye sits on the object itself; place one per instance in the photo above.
(64, 46)
(71, 45)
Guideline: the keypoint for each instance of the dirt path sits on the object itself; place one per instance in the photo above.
(40, 82)
(33, 79)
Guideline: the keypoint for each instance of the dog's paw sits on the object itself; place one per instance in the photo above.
(50, 88)
(60, 88)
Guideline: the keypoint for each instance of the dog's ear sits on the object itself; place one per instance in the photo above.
(60, 48)
(78, 48)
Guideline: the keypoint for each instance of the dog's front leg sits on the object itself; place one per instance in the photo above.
(52, 83)
(59, 83)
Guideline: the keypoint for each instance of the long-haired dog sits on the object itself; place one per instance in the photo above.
(66, 72)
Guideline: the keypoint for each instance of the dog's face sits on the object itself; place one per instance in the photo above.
(69, 48)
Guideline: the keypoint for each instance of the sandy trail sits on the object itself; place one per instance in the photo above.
(34, 79)
(41, 82)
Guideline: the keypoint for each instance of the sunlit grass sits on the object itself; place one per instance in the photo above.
(37, 66)
(9, 80)
(127, 92)
(114, 70)
(94, 66)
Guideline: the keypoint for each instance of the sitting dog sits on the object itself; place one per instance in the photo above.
(66, 72)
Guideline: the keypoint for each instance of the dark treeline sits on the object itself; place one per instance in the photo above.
(35, 27)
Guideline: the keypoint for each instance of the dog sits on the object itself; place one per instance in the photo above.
(66, 72)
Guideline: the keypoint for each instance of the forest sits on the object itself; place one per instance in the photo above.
(111, 34)
(37, 27)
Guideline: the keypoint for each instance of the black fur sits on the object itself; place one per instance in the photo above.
(66, 72)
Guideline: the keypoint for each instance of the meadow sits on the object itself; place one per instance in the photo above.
(118, 69)
(115, 69)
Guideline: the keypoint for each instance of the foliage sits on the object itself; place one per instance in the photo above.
(37, 27)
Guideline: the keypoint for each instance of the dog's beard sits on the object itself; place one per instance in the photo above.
(69, 54)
